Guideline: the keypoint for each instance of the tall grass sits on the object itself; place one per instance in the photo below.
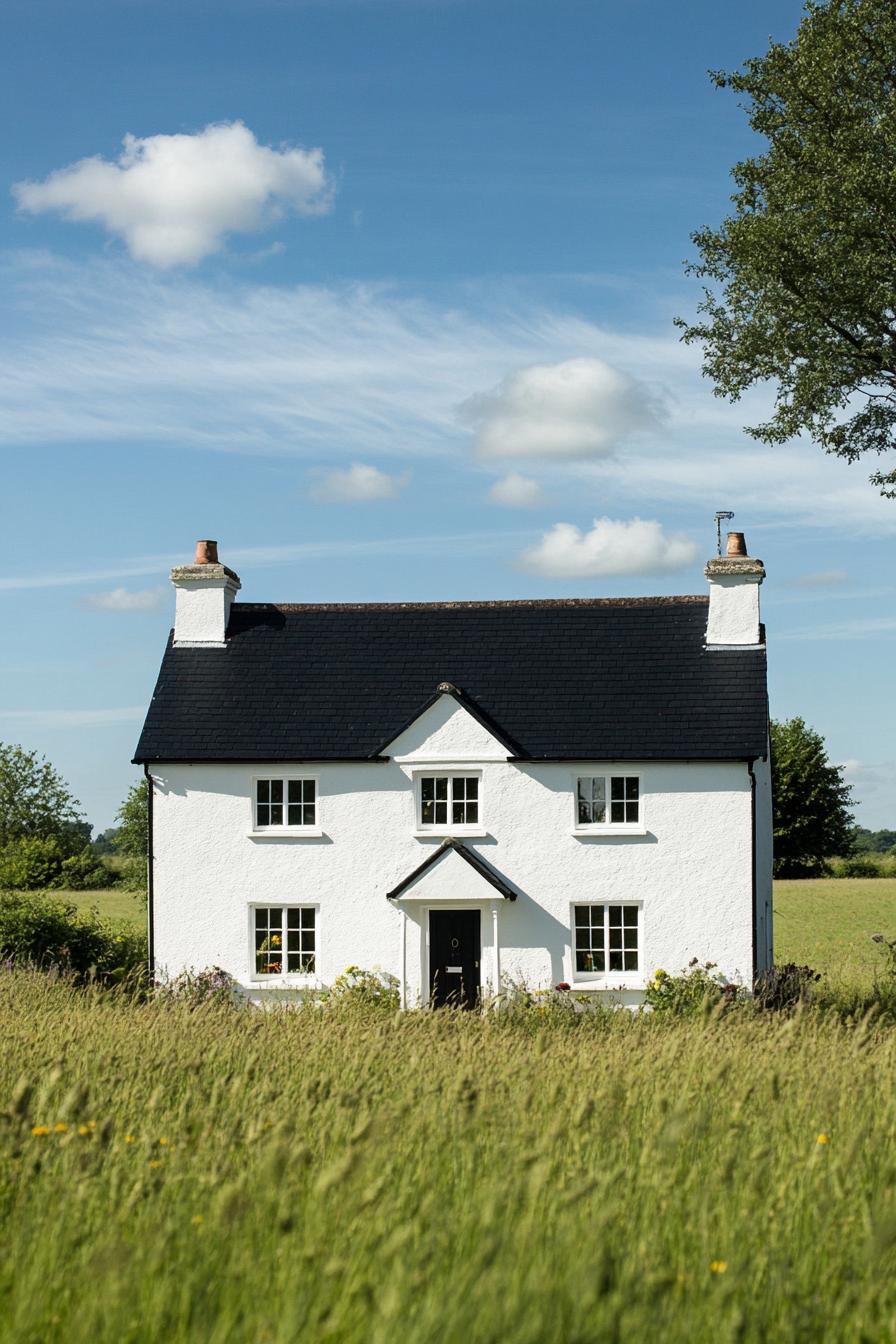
(339, 1174)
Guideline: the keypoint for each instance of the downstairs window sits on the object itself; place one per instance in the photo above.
(606, 939)
(284, 939)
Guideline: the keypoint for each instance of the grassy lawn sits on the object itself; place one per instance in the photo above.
(125, 905)
(827, 923)
(205, 1173)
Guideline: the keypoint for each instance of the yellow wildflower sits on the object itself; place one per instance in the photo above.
(129, 1138)
(718, 1266)
(197, 1219)
(822, 1138)
(163, 1142)
(91, 1124)
(39, 1130)
(83, 1129)
(61, 1128)
(154, 1162)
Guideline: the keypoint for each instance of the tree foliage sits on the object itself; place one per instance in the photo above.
(132, 835)
(801, 278)
(811, 802)
(35, 802)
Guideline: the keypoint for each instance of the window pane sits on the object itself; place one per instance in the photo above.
(276, 814)
(441, 783)
(428, 813)
(617, 788)
(472, 787)
(631, 960)
(617, 812)
(264, 790)
(615, 960)
(472, 813)
(583, 916)
(294, 918)
(441, 813)
(294, 815)
(263, 815)
(307, 918)
(308, 814)
(458, 813)
(631, 788)
(276, 790)
(427, 788)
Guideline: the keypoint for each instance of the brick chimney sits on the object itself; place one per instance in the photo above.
(734, 581)
(203, 594)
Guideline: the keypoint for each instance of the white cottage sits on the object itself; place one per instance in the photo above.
(460, 792)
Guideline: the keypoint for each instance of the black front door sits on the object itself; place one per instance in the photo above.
(454, 953)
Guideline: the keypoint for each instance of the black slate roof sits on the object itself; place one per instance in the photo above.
(587, 679)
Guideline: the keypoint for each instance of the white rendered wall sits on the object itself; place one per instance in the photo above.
(765, 948)
(733, 610)
(692, 870)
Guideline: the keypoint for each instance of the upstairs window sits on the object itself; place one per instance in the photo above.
(284, 940)
(606, 939)
(449, 800)
(608, 800)
(285, 802)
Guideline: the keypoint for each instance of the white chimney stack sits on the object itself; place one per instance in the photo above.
(204, 592)
(734, 581)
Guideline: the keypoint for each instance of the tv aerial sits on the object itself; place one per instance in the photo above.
(727, 515)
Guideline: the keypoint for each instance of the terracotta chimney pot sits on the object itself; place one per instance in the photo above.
(207, 552)
(736, 544)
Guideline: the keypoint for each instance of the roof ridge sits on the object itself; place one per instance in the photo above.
(699, 599)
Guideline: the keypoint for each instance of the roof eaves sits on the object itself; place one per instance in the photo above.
(474, 859)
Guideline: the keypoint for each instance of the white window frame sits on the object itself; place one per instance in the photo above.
(298, 831)
(451, 773)
(283, 977)
(610, 979)
(608, 827)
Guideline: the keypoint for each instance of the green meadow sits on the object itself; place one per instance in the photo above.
(208, 1173)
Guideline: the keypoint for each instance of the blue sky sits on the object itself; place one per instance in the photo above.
(381, 295)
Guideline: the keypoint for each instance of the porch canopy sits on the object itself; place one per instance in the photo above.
(452, 872)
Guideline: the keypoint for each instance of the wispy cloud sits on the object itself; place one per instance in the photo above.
(110, 353)
(870, 627)
(72, 718)
(358, 483)
(258, 557)
(822, 578)
(613, 547)
(173, 198)
(126, 599)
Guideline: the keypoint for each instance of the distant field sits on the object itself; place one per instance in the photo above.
(828, 924)
(126, 905)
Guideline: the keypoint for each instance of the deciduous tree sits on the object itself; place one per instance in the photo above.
(801, 280)
(811, 802)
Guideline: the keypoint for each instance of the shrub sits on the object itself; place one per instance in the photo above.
(782, 987)
(31, 863)
(46, 932)
(698, 989)
(859, 865)
(375, 988)
(85, 872)
(888, 947)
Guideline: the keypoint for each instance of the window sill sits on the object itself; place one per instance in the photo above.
(608, 985)
(286, 833)
(301, 979)
(458, 832)
(595, 832)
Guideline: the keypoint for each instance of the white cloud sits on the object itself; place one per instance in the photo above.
(578, 408)
(517, 492)
(357, 483)
(172, 198)
(126, 599)
(613, 547)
